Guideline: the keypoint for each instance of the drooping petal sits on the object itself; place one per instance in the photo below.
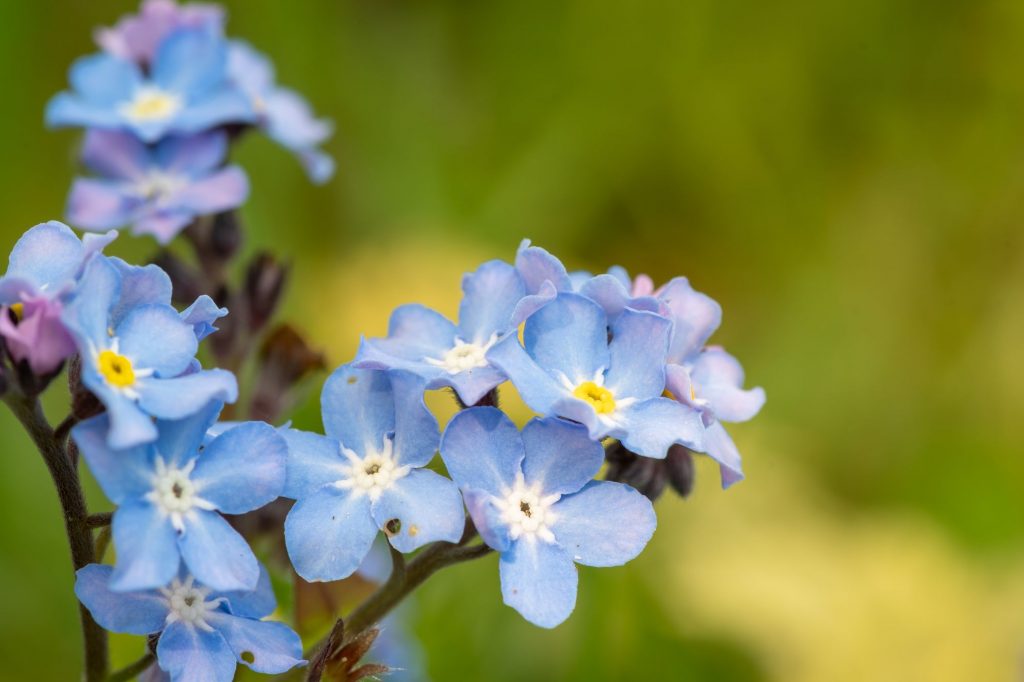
(182, 396)
(147, 550)
(538, 579)
(124, 475)
(243, 469)
(649, 427)
(718, 378)
(483, 450)
(695, 317)
(416, 432)
(114, 154)
(258, 603)
(133, 613)
(538, 389)
(216, 554)
(489, 298)
(604, 524)
(637, 351)
(266, 647)
(196, 655)
(569, 336)
(220, 191)
(427, 507)
(155, 337)
(329, 533)
(313, 462)
(96, 204)
(720, 447)
(560, 455)
(358, 408)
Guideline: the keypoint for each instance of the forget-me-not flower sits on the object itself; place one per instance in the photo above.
(136, 37)
(366, 475)
(569, 368)
(43, 270)
(138, 353)
(185, 91)
(280, 112)
(158, 189)
(424, 342)
(204, 633)
(532, 497)
(171, 493)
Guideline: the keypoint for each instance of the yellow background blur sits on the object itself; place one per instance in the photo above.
(846, 178)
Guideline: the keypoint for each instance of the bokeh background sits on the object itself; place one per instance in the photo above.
(846, 178)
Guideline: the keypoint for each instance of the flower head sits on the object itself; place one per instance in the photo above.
(203, 633)
(170, 494)
(185, 91)
(366, 475)
(422, 341)
(533, 498)
(136, 37)
(158, 189)
(138, 352)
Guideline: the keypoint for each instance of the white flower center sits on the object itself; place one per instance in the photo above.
(187, 603)
(151, 104)
(463, 356)
(527, 512)
(159, 186)
(174, 493)
(373, 474)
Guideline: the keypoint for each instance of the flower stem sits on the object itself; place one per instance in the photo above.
(72, 502)
(133, 670)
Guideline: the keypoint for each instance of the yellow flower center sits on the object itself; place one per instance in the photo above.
(116, 369)
(599, 397)
(19, 311)
(151, 104)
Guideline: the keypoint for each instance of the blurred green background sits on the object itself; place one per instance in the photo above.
(846, 178)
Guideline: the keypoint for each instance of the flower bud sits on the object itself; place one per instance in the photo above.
(264, 282)
(83, 403)
(284, 360)
(680, 469)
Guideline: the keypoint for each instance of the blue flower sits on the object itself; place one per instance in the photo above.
(282, 113)
(366, 475)
(138, 353)
(159, 189)
(204, 633)
(136, 36)
(171, 493)
(185, 91)
(424, 342)
(570, 369)
(44, 268)
(532, 498)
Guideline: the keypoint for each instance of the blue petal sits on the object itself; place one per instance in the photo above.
(539, 581)
(637, 352)
(605, 524)
(123, 474)
(147, 550)
(100, 204)
(569, 336)
(559, 455)
(140, 285)
(416, 431)
(313, 462)
(487, 518)
(482, 449)
(528, 305)
(190, 654)
(472, 384)
(266, 647)
(224, 106)
(48, 254)
(102, 79)
(182, 396)
(155, 337)
(358, 408)
(196, 155)
(219, 191)
(574, 409)
(216, 554)
(202, 314)
(536, 266)
(258, 603)
(129, 426)
(133, 613)
(428, 507)
(489, 298)
(721, 448)
(243, 469)
(695, 317)
(115, 154)
(608, 292)
(414, 333)
(538, 389)
(190, 61)
(180, 439)
(66, 109)
(718, 378)
(651, 426)
(87, 316)
(329, 533)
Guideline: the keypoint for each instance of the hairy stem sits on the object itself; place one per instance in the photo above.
(72, 502)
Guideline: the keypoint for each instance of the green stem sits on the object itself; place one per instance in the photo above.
(72, 502)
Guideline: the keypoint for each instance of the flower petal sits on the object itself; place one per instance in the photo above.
(147, 550)
(221, 191)
(189, 653)
(102, 79)
(695, 316)
(216, 554)
(483, 450)
(133, 613)
(489, 297)
(266, 647)
(718, 378)
(193, 154)
(329, 533)
(416, 431)
(190, 62)
(123, 474)
(427, 507)
(720, 447)
(225, 106)
(258, 603)
(180, 439)
(604, 524)
(539, 580)
(649, 427)
(637, 351)
(536, 266)
(487, 518)
(155, 337)
(313, 462)
(114, 154)
(183, 396)
(243, 469)
(49, 254)
(96, 204)
(414, 333)
(358, 408)
(569, 336)
(140, 285)
(560, 455)
(538, 389)
(129, 425)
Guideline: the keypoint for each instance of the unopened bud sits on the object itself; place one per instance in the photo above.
(680, 469)
(264, 283)
(284, 360)
(83, 403)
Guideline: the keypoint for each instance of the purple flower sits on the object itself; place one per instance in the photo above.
(204, 633)
(186, 90)
(44, 268)
(533, 498)
(136, 37)
(159, 189)
(282, 113)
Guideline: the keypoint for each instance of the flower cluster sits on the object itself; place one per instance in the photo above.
(160, 104)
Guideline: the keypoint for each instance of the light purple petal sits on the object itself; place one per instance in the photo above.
(695, 317)
(718, 378)
(719, 446)
(95, 204)
(194, 155)
(537, 266)
(221, 191)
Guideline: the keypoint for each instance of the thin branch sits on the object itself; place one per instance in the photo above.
(99, 520)
(63, 429)
(133, 670)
